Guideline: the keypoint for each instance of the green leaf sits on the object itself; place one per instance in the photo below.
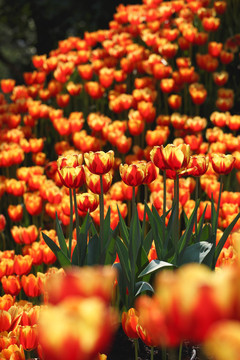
(122, 252)
(83, 239)
(155, 265)
(185, 238)
(224, 237)
(106, 227)
(61, 238)
(122, 283)
(62, 258)
(155, 225)
(147, 242)
(123, 229)
(94, 249)
(134, 240)
(195, 253)
(142, 286)
(201, 225)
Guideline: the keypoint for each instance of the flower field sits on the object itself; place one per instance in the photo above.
(120, 190)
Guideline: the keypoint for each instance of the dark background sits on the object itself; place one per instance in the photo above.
(29, 27)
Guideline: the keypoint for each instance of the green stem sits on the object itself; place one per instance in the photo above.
(164, 353)
(180, 351)
(136, 348)
(176, 203)
(71, 224)
(152, 348)
(133, 201)
(101, 206)
(77, 225)
(196, 198)
(164, 203)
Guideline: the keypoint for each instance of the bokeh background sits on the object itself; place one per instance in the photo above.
(29, 27)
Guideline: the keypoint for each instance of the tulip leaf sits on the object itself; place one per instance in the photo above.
(122, 282)
(61, 238)
(94, 250)
(156, 229)
(134, 239)
(106, 227)
(147, 242)
(200, 227)
(224, 237)
(123, 229)
(83, 239)
(195, 253)
(122, 252)
(185, 238)
(142, 286)
(62, 258)
(153, 266)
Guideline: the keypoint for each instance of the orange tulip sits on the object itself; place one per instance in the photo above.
(93, 182)
(22, 264)
(2, 222)
(28, 336)
(31, 285)
(15, 212)
(11, 284)
(130, 322)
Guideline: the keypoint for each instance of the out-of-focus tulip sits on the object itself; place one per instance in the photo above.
(28, 336)
(222, 164)
(31, 285)
(15, 212)
(2, 222)
(22, 264)
(11, 284)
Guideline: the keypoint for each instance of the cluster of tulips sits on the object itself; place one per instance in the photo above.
(120, 153)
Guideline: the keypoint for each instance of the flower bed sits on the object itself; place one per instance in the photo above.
(119, 186)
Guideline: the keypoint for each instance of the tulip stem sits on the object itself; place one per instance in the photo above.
(176, 203)
(133, 200)
(77, 225)
(180, 351)
(196, 198)
(136, 348)
(164, 353)
(164, 203)
(101, 208)
(152, 348)
(71, 224)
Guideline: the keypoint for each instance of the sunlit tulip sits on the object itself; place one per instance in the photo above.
(129, 323)
(87, 202)
(31, 285)
(15, 212)
(93, 182)
(28, 336)
(11, 284)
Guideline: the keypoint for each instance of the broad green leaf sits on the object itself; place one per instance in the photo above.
(142, 286)
(83, 239)
(122, 284)
(200, 225)
(110, 251)
(224, 237)
(123, 229)
(154, 227)
(61, 238)
(185, 238)
(155, 265)
(134, 239)
(195, 253)
(122, 252)
(147, 241)
(94, 250)
(62, 258)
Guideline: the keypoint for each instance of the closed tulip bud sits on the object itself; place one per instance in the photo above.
(130, 322)
(28, 336)
(11, 285)
(31, 285)
(15, 212)
(222, 164)
(22, 264)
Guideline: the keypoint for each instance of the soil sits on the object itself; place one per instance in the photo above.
(123, 349)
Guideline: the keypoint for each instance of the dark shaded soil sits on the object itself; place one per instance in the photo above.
(123, 349)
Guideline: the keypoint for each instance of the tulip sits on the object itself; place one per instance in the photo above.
(28, 336)
(130, 322)
(222, 164)
(99, 163)
(87, 202)
(11, 284)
